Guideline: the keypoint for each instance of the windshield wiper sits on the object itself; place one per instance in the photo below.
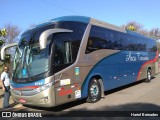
(25, 65)
(17, 62)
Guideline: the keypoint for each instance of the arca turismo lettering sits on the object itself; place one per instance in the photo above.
(143, 58)
(132, 57)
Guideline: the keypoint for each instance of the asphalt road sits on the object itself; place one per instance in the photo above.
(141, 96)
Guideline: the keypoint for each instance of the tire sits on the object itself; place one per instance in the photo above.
(149, 75)
(94, 91)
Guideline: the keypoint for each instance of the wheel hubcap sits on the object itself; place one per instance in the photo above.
(149, 75)
(94, 90)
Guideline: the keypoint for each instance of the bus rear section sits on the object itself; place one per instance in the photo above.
(115, 58)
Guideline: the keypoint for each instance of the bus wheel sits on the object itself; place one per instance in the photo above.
(149, 75)
(94, 91)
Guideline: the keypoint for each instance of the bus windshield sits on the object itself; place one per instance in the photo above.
(30, 61)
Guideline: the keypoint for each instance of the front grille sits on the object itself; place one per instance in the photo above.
(24, 92)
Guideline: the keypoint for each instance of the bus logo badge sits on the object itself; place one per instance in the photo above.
(76, 70)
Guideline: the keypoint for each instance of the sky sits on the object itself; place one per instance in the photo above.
(25, 13)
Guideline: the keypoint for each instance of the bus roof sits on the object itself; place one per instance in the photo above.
(91, 21)
(81, 19)
(65, 18)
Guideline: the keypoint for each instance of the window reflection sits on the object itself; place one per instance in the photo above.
(103, 38)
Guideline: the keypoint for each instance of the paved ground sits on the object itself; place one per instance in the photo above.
(12, 104)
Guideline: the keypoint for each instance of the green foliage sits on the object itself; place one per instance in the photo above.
(7, 58)
(131, 27)
(1, 42)
(139, 28)
(3, 33)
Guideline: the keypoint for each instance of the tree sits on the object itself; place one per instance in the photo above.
(3, 34)
(131, 27)
(144, 32)
(137, 27)
(134, 26)
(13, 32)
(154, 33)
(9, 35)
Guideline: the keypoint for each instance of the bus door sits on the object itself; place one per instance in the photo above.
(64, 87)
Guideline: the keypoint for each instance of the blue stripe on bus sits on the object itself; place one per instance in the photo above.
(115, 70)
(35, 83)
(72, 18)
(66, 18)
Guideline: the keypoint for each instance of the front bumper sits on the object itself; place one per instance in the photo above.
(45, 98)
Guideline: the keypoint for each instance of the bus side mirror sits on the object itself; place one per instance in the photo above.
(44, 35)
(6, 47)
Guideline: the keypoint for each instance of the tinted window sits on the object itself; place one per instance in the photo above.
(66, 45)
(103, 38)
(75, 37)
(63, 53)
(96, 41)
(151, 46)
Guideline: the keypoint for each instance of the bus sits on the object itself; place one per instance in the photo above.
(71, 58)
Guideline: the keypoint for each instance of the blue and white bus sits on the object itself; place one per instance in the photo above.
(74, 57)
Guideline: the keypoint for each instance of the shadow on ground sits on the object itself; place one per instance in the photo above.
(122, 112)
(76, 103)
(1, 96)
(61, 110)
(10, 107)
(13, 104)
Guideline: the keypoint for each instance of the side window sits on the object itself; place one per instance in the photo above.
(96, 40)
(122, 41)
(142, 44)
(66, 45)
(75, 37)
(132, 43)
(152, 47)
(110, 40)
(63, 54)
(116, 40)
(113, 40)
(149, 45)
(103, 38)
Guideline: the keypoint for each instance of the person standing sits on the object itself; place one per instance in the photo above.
(5, 87)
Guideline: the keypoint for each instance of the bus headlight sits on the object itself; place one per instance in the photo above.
(44, 87)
